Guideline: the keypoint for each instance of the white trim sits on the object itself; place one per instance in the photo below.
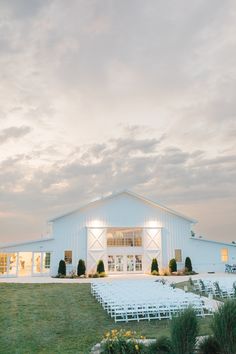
(158, 205)
(25, 243)
(213, 241)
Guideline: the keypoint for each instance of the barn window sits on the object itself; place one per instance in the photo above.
(178, 255)
(224, 255)
(122, 237)
(68, 257)
(47, 260)
(3, 263)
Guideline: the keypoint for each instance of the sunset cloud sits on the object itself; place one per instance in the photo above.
(101, 96)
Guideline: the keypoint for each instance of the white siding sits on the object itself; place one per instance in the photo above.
(206, 255)
(70, 231)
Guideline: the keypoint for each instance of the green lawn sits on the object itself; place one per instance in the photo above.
(60, 318)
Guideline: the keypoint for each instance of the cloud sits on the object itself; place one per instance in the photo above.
(171, 175)
(13, 133)
(141, 164)
(137, 95)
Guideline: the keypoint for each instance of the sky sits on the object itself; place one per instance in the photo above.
(104, 95)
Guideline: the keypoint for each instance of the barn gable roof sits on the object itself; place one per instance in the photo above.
(132, 194)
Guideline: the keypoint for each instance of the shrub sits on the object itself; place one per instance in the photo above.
(122, 342)
(154, 272)
(161, 346)
(102, 275)
(100, 267)
(95, 275)
(165, 271)
(72, 274)
(62, 267)
(184, 330)
(173, 265)
(81, 268)
(208, 345)
(224, 327)
(188, 265)
(154, 265)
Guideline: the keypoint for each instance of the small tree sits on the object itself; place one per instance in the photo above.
(81, 268)
(188, 264)
(154, 266)
(62, 267)
(224, 327)
(184, 331)
(173, 265)
(100, 267)
(209, 345)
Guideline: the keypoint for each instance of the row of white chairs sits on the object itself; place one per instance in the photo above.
(145, 300)
(220, 287)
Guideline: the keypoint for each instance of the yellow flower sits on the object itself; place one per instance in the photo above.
(136, 347)
(128, 334)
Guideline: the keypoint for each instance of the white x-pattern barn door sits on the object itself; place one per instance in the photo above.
(96, 247)
(152, 245)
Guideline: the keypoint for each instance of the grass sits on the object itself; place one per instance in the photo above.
(61, 318)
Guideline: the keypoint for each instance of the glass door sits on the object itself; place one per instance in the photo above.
(119, 263)
(111, 263)
(37, 263)
(12, 265)
(25, 264)
(138, 263)
(130, 263)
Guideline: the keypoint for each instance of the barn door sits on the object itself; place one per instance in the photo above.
(96, 248)
(152, 244)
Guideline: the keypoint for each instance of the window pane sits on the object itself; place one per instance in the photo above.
(124, 237)
(37, 262)
(68, 257)
(224, 255)
(130, 263)
(46, 262)
(111, 263)
(119, 263)
(25, 263)
(138, 263)
(178, 255)
(12, 263)
(3, 263)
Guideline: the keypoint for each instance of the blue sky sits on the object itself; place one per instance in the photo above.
(100, 96)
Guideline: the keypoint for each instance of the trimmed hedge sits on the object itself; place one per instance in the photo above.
(62, 267)
(81, 268)
(173, 265)
(154, 266)
(188, 264)
(100, 267)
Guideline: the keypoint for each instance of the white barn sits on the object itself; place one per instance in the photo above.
(126, 231)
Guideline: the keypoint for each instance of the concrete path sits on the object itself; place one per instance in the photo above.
(171, 279)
